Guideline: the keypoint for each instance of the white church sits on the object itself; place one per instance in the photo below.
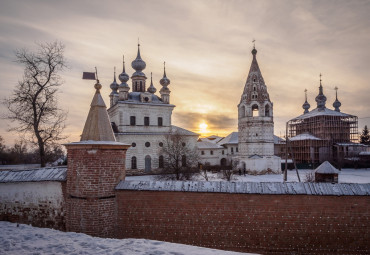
(142, 118)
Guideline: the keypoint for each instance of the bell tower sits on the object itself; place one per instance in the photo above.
(256, 125)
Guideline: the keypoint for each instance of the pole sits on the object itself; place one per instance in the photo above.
(286, 153)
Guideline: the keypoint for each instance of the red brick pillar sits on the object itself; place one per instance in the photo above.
(94, 170)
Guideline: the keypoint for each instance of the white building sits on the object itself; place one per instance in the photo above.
(256, 125)
(209, 151)
(142, 118)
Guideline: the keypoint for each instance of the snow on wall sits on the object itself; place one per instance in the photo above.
(38, 203)
(264, 188)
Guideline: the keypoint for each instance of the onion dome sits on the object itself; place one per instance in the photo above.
(151, 88)
(306, 105)
(123, 77)
(164, 81)
(336, 103)
(320, 98)
(114, 85)
(138, 64)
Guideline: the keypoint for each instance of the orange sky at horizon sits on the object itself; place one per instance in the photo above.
(207, 48)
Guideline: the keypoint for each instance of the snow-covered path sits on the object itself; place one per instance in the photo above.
(31, 240)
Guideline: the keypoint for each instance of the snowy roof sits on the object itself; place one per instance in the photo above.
(351, 144)
(212, 138)
(35, 175)
(174, 129)
(315, 112)
(278, 140)
(208, 145)
(304, 136)
(363, 153)
(326, 168)
(97, 143)
(182, 131)
(234, 139)
(134, 98)
(230, 139)
(276, 188)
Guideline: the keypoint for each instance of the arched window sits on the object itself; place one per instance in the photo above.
(133, 163)
(160, 121)
(255, 112)
(183, 160)
(267, 110)
(148, 163)
(160, 162)
(242, 111)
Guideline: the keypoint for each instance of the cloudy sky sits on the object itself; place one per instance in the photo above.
(206, 45)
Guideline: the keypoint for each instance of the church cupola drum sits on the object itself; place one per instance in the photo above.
(256, 125)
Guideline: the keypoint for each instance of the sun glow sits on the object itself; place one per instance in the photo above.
(203, 128)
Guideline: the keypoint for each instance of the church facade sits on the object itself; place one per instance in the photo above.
(256, 125)
(143, 119)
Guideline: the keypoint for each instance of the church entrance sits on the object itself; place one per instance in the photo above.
(223, 162)
(148, 163)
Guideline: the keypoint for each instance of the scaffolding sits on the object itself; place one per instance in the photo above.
(323, 130)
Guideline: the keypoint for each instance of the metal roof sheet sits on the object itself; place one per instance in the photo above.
(276, 188)
(34, 175)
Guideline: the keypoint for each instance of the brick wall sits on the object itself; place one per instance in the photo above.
(268, 224)
(41, 204)
(93, 173)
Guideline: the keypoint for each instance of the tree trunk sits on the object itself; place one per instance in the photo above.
(42, 154)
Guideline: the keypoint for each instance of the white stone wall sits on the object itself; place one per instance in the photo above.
(214, 159)
(39, 203)
(121, 113)
(140, 151)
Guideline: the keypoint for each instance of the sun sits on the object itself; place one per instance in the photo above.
(203, 128)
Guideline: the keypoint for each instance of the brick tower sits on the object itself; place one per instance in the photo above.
(95, 165)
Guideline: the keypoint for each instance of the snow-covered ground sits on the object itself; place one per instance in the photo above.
(345, 176)
(31, 240)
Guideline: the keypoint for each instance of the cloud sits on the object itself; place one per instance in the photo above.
(206, 45)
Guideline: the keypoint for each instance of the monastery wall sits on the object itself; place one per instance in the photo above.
(41, 204)
(261, 223)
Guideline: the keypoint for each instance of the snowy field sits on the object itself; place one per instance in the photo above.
(31, 240)
(345, 176)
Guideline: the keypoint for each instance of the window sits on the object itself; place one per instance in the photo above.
(133, 163)
(132, 120)
(183, 160)
(147, 144)
(255, 111)
(202, 152)
(121, 118)
(232, 150)
(267, 110)
(211, 152)
(160, 121)
(141, 86)
(146, 121)
(133, 144)
(160, 162)
(223, 152)
(160, 144)
(237, 149)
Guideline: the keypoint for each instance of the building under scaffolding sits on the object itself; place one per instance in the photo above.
(318, 135)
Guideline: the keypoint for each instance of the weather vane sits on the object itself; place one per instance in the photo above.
(254, 45)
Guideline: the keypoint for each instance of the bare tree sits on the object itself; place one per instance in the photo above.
(33, 104)
(180, 160)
